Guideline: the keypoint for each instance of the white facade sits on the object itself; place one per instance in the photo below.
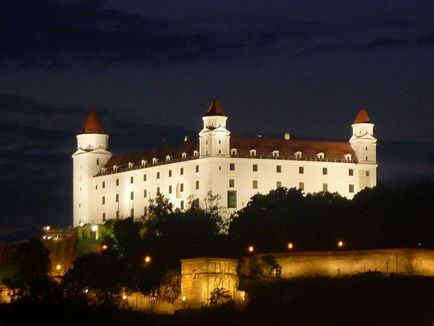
(110, 186)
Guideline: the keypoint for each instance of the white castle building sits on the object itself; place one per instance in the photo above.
(116, 186)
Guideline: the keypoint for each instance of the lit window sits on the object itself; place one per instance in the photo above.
(231, 183)
(232, 166)
(278, 168)
(301, 169)
(325, 187)
(255, 167)
(232, 199)
(350, 172)
(255, 184)
(324, 171)
(351, 188)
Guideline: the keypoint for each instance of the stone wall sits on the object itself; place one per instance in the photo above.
(346, 262)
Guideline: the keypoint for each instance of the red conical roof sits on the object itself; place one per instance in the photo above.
(363, 117)
(215, 108)
(93, 125)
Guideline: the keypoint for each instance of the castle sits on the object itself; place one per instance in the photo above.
(117, 186)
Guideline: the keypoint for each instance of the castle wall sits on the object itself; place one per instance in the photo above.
(346, 262)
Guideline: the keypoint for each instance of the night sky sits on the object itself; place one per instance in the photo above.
(152, 67)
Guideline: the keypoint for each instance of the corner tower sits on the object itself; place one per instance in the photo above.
(91, 154)
(214, 138)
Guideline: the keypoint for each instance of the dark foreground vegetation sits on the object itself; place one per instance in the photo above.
(367, 299)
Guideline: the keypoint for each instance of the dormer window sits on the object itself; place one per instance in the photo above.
(348, 157)
(233, 151)
(167, 158)
(275, 153)
(252, 152)
(130, 165)
(154, 160)
(298, 155)
(320, 156)
(143, 163)
(184, 155)
(195, 153)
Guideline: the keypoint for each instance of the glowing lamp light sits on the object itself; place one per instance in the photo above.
(341, 244)
(251, 249)
(290, 245)
(147, 259)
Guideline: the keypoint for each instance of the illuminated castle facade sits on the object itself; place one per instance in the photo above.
(116, 186)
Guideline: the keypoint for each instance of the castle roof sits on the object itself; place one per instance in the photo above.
(333, 151)
(93, 124)
(215, 109)
(362, 117)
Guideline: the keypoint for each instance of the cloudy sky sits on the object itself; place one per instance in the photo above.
(152, 67)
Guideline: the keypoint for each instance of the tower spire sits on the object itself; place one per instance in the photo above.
(93, 124)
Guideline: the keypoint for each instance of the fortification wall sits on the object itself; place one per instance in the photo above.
(346, 262)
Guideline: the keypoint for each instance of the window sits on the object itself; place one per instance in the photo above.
(278, 168)
(351, 188)
(325, 187)
(103, 217)
(197, 184)
(324, 171)
(170, 189)
(132, 180)
(103, 200)
(182, 204)
(231, 183)
(255, 184)
(181, 171)
(144, 177)
(278, 184)
(117, 182)
(117, 215)
(181, 187)
(350, 172)
(197, 168)
(301, 169)
(132, 213)
(170, 173)
(232, 166)
(145, 193)
(158, 190)
(301, 186)
(132, 195)
(158, 175)
(232, 199)
(117, 198)
(255, 167)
